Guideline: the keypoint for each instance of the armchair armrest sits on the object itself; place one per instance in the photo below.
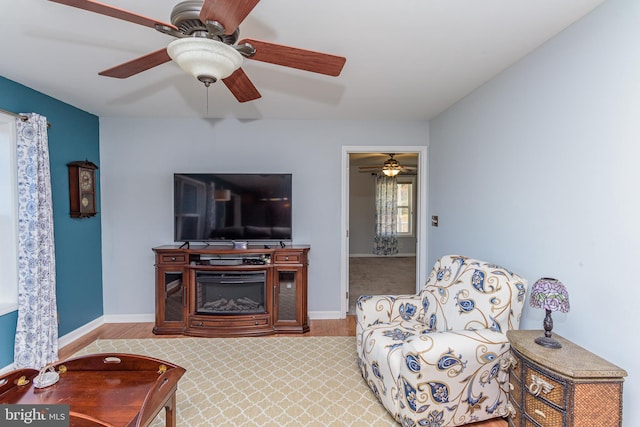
(388, 308)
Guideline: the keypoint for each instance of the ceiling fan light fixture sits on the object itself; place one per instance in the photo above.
(205, 59)
(391, 167)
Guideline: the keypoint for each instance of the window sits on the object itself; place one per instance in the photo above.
(405, 207)
(8, 217)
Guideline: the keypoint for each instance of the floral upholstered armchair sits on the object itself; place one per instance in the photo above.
(439, 358)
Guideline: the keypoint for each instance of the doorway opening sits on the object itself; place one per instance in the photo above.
(363, 272)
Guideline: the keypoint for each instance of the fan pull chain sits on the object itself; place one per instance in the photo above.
(207, 95)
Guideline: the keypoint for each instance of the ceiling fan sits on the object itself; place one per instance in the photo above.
(208, 31)
(391, 167)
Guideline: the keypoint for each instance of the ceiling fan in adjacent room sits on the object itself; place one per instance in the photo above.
(207, 45)
(391, 167)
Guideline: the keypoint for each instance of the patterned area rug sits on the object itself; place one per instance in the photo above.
(275, 381)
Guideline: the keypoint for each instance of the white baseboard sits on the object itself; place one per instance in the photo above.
(326, 315)
(129, 318)
(80, 332)
(117, 318)
(68, 338)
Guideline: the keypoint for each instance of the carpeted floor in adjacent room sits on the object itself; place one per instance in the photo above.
(279, 381)
(380, 276)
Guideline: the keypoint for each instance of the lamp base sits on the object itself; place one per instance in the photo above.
(548, 342)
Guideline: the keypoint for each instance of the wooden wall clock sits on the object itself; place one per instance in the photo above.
(82, 188)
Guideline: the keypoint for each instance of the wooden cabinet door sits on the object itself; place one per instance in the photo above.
(171, 300)
(290, 303)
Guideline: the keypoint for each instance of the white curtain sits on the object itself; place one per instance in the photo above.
(36, 342)
(386, 238)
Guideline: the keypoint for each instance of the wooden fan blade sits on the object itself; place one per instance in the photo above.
(241, 87)
(293, 57)
(137, 65)
(230, 13)
(114, 12)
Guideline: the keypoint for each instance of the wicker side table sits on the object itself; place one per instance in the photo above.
(569, 386)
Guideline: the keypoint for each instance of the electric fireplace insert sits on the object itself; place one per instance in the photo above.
(231, 292)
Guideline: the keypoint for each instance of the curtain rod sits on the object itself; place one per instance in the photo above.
(19, 116)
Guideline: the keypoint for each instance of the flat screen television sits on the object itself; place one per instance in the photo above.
(232, 206)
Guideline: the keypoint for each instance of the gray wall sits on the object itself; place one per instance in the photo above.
(537, 170)
(139, 157)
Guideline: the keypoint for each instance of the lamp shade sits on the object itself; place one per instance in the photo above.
(549, 294)
(206, 59)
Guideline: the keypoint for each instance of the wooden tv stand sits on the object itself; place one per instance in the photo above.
(185, 273)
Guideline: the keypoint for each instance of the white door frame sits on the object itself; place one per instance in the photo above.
(421, 218)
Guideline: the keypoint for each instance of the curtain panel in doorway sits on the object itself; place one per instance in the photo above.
(386, 238)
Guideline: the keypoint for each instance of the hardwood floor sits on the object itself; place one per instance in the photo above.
(333, 327)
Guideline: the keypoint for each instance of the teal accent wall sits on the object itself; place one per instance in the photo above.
(7, 332)
(73, 135)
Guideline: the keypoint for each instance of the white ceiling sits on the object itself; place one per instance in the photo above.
(406, 59)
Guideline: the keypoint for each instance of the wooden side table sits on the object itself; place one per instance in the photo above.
(569, 386)
(107, 389)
